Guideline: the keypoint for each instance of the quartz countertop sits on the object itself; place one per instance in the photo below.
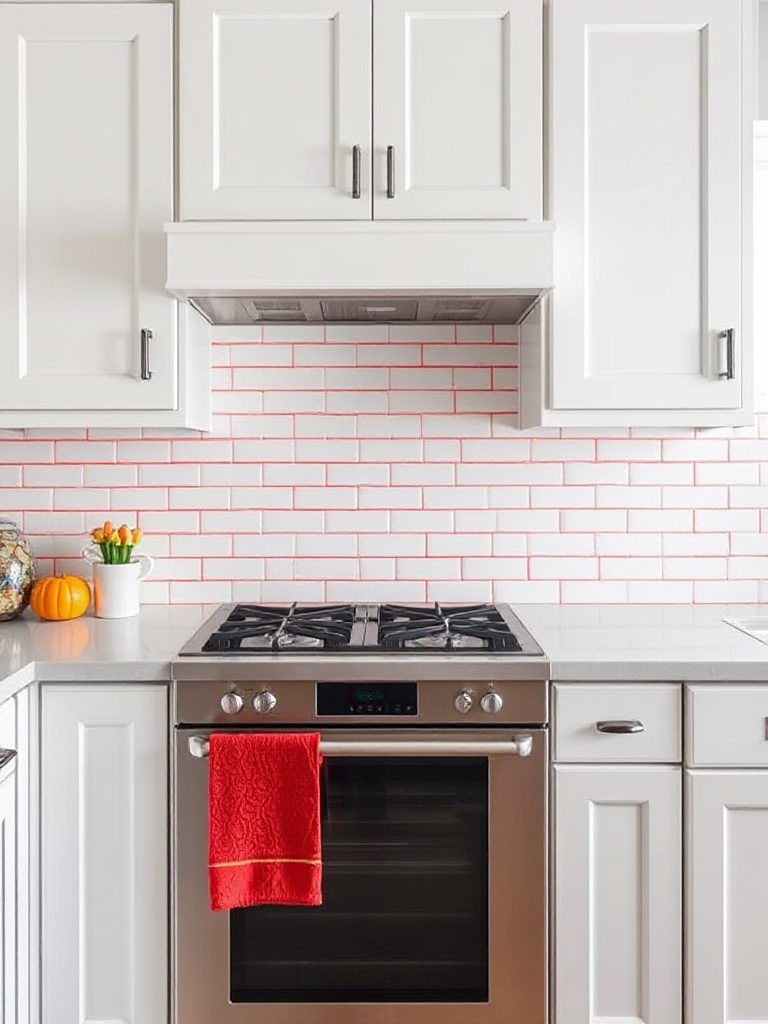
(591, 643)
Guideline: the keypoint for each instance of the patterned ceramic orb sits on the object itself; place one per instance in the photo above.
(17, 571)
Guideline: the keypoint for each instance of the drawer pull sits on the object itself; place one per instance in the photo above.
(621, 726)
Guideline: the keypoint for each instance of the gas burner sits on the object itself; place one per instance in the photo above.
(257, 628)
(472, 627)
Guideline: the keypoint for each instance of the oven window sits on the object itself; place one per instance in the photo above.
(405, 893)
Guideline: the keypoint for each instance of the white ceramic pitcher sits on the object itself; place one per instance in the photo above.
(116, 587)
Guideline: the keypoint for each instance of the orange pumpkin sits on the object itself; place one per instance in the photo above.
(60, 597)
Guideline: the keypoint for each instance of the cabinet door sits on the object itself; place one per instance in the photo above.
(458, 99)
(727, 892)
(104, 854)
(617, 918)
(274, 97)
(8, 907)
(85, 186)
(650, 131)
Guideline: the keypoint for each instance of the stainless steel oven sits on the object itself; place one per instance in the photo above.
(434, 821)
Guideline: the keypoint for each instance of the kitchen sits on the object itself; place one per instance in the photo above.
(451, 461)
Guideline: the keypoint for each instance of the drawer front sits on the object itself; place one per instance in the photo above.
(582, 712)
(727, 726)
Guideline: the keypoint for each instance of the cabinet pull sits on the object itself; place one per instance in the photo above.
(621, 726)
(146, 337)
(728, 336)
(355, 172)
(390, 172)
(6, 755)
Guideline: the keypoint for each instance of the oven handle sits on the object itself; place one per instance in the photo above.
(520, 745)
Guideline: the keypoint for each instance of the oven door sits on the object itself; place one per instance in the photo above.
(434, 890)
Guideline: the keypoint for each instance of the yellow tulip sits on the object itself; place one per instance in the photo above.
(114, 537)
(124, 534)
(98, 535)
(135, 536)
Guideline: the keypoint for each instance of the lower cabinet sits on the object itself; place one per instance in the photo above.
(9, 908)
(618, 894)
(104, 854)
(727, 890)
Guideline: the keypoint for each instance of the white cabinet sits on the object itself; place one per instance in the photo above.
(727, 889)
(86, 183)
(617, 891)
(104, 842)
(8, 896)
(651, 108)
(279, 120)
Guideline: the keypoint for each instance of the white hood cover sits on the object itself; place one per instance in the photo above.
(390, 272)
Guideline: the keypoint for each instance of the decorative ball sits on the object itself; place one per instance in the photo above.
(17, 571)
(61, 597)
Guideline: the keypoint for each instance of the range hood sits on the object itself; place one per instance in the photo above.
(361, 272)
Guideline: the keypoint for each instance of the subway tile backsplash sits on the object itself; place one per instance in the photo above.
(365, 462)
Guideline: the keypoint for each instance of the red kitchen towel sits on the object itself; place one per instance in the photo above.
(264, 819)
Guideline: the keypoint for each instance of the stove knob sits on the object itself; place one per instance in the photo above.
(463, 702)
(264, 702)
(231, 702)
(491, 702)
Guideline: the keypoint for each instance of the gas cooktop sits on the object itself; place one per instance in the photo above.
(253, 629)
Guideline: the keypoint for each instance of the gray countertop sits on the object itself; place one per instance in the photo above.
(582, 642)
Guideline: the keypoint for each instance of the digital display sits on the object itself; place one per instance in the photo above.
(360, 699)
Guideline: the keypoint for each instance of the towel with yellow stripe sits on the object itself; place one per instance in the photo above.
(264, 820)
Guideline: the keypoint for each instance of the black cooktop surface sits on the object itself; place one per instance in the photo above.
(254, 629)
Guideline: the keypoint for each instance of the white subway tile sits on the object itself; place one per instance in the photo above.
(416, 378)
(510, 497)
(428, 402)
(209, 592)
(688, 544)
(177, 569)
(428, 568)
(726, 591)
(238, 334)
(171, 522)
(277, 403)
(463, 592)
(394, 591)
(233, 568)
(695, 567)
(541, 568)
(389, 355)
(516, 473)
(325, 497)
(280, 592)
(747, 543)
(390, 497)
(105, 475)
(635, 496)
(291, 474)
(225, 475)
(471, 355)
(603, 520)
(695, 497)
(511, 544)
(302, 335)
(578, 544)
(562, 450)
(336, 450)
(748, 497)
(593, 592)
(594, 432)
(324, 355)
(750, 567)
(697, 450)
(392, 450)
(155, 592)
(139, 451)
(200, 545)
(325, 426)
(198, 497)
(32, 498)
(201, 451)
(630, 450)
(357, 521)
(426, 334)
(529, 520)
(10, 476)
(472, 379)
(475, 520)
(79, 452)
(226, 402)
(257, 545)
(94, 499)
(262, 497)
(395, 545)
(284, 521)
(454, 426)
(51, 522)
(630, 568)
(353, 402)
(447, 545)
(506, 332)
(742, 520)
(745, 473)
(260, 355)
(269, 425)
(495, 568)
(279, 569)
(55, 433)
(359, 378)
(563, 497)
(624, 545)
(263, 451)
(377, 569)
(326, 545)
(112, 433)
(474, 332)
(140, 498)
(527, 591)
(660, 520)
(46, 476)
(326, 568)
(659, 592)
(414, 521)
(231, 522)
(677, 473)
(455, 497)
(420, 474)
(442, 451)
(278, 378)
(357, 473)
(510, 450)
(486, 401)
(595, 472)
(357, 334)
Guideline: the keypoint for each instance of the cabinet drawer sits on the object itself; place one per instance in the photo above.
(727, 725)
(579, 708)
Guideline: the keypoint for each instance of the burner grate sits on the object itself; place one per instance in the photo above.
(260, 628)
(471, 627)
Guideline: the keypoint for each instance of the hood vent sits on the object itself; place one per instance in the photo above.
(361, 272)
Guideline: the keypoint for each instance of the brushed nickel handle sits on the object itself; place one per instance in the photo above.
(620, 726)
(729, 337)
(146, 338)
(356, 172)
(520, 746)
(390, 172)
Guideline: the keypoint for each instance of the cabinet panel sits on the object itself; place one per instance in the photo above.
(647, 176)
(9, 906)
(727, 725)
(458, 95)
(727, 897)
(274, 96)
(85, 186)
(618, 947)
(104, 854)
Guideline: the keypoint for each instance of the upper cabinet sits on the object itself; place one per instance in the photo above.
(403, 110)
(650, 134)
(86, 183)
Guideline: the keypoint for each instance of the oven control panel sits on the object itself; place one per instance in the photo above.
(359, 699)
